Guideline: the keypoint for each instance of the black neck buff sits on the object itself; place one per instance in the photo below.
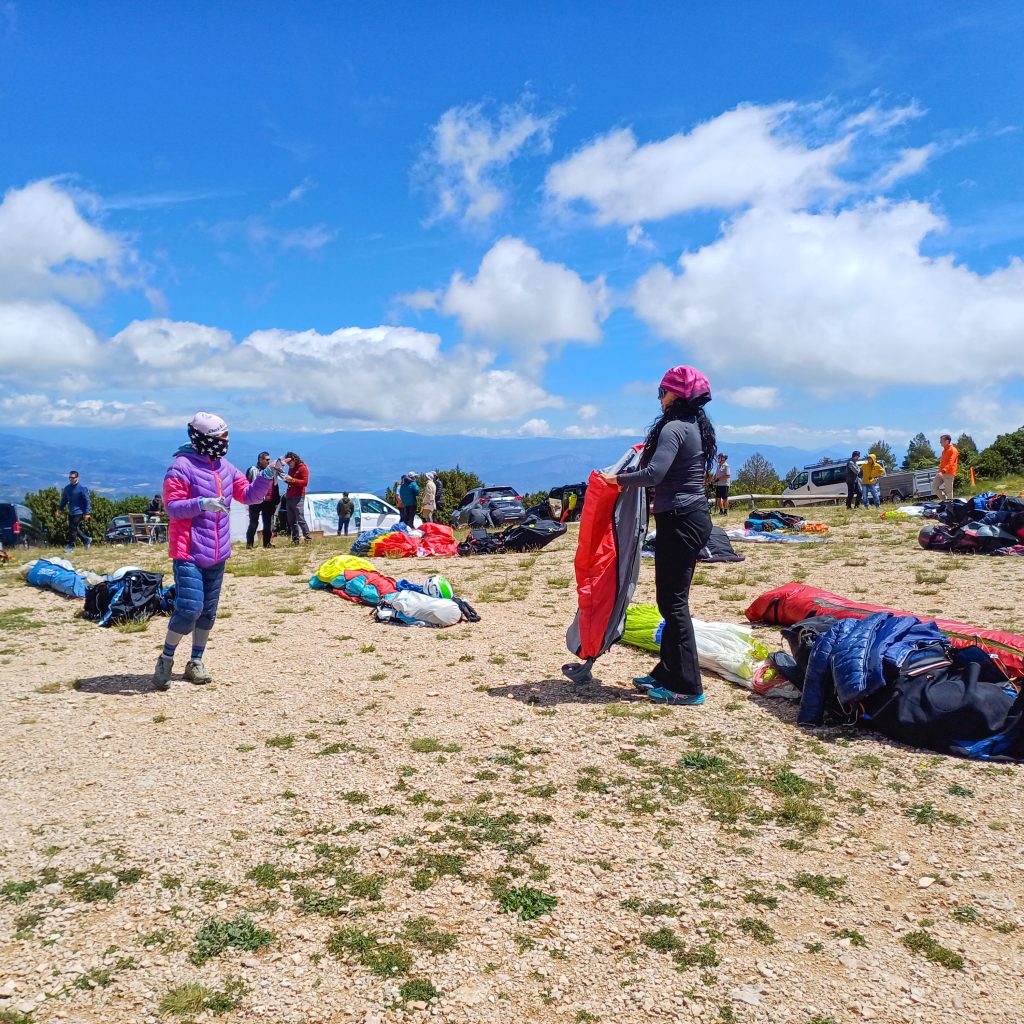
(211, 445)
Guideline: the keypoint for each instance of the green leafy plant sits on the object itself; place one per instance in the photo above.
(215, 935)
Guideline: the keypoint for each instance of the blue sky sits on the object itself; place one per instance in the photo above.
(511, 219)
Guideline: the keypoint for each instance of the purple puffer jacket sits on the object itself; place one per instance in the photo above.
(195, 535)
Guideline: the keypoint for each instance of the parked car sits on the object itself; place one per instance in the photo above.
(489, 506)
(19, 526)
(826, 481)
(121, 531)
(321, 513)
(554, 505)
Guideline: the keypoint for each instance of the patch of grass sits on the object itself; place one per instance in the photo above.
(215, 935)
(923, 943)
(825, 887)
(161, 938)
(193, 998)
(417, 990)
(966, 915)
(786, 783)
(757, 929)
(342, 747)
(525, 901)
(281, 742)
(957, 790)
(138, 624)
(855, 937)
(102, 977)
(269, 876)
(13, 620)
(421, 931)
(260, 639)
(926, 813)
(17, 892)
(428, 745)
(385, 959)
(367, 648)
(432, 866)
(758, 899)
(795, 812)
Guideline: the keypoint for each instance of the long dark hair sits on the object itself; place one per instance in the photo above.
(680, 409)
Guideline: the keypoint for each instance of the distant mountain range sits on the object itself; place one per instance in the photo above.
(127, 461)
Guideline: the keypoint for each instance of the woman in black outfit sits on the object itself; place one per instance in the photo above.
(678, 454)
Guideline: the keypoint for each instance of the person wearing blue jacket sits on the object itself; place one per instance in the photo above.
(75, 498)
(409, 492)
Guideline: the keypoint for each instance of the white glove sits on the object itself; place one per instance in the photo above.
(213, 505)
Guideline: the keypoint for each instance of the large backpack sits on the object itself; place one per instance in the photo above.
(533, 535)
(136, 595)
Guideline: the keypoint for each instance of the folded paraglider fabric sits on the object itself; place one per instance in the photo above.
(340, 563)
(612, 530)
(725, 648)
(794, 602)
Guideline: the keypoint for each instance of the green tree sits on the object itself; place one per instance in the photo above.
(455, 483)
(920, 454)
(883, 453)
(989, 465)
(1010, 448)
(790, 473)
(968, 456)
(757, 476)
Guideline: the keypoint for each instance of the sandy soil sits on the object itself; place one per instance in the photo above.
(711, 863)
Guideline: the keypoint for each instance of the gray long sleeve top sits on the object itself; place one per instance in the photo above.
(676, 470)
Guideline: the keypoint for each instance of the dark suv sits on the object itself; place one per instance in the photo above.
(19, 526)
(489, 506)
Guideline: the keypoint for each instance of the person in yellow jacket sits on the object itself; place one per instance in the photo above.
(870, 473)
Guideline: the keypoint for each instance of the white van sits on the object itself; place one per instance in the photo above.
(826, 481)
(321, 512)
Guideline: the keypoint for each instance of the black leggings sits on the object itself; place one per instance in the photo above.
(681, 535)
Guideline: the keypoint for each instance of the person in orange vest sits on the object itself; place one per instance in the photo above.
(948, 463)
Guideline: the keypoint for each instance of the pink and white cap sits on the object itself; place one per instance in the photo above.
(208, 423)
(687, 383)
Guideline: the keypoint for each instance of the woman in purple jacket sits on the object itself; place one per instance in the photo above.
(198, 489)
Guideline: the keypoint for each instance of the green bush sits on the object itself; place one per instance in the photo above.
(44, 505)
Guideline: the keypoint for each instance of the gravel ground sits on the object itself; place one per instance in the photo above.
(359, 822)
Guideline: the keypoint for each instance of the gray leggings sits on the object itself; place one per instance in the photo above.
(296, 516)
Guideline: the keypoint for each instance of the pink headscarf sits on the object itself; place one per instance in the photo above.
(687, 383)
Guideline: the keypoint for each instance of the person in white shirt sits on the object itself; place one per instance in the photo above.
(723, 477)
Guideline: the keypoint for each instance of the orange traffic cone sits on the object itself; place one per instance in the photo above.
(973, 482)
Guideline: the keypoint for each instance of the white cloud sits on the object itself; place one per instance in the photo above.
(753, 397)
(163, 344)
(909, 161)
(43, 341)
(521, 302)
(468, 153)
(835, 299)
(794, 434)
(587, 411)
(296, 194)
(745, 155)
(42, 410)
(575, 430)
(535, 428)
(49, 250)
(422, 299)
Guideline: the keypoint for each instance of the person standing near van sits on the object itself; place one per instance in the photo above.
(853, 481)
(265, 509)
(345, 510)
(723, 478)
(409, 492)
(948, 465)
(75, 498)
(871, 472)
(676, 460)
(428, 505)
(297, 479)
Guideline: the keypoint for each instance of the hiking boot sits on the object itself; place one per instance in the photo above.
(645, 683)
(88, 543)
(162, 673)
(195, 672)
(662, 696)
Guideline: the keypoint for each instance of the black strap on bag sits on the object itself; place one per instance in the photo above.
(469, 613)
